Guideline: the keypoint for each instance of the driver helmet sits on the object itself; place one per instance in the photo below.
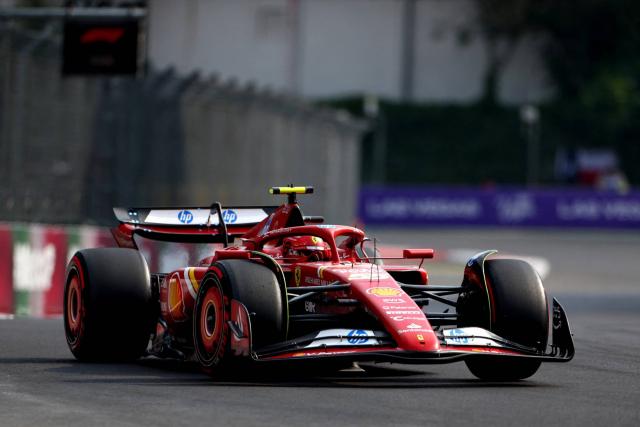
(306, 248)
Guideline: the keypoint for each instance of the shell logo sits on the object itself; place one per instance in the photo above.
(384, 292)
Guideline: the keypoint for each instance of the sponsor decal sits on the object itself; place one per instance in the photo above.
(396, 307)
(185, 216)
(557, 317)
(344, 337)
(321, 271)
(471, 341)
(229, 216)
(107, 35)
(310, 307)
(410, 312)
(445, 205)
(403, 318)
(393, 300)
(384, 292)
(470, 337)
(370, 273)
(414, 326)
(357, 336)
(421, 330)
(458, 336)
(243, 216)
(315, 281)
(322, 353)
(420, 337)
(296, 275)
(33, 267)
(402, 208)
(515, 208)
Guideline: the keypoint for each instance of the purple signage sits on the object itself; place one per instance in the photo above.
(510, 206)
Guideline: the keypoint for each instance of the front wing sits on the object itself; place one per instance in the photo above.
(455, 344)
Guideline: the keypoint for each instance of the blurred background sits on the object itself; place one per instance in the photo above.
(415, 113)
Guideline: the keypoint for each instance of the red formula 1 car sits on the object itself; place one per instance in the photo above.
(293, 288)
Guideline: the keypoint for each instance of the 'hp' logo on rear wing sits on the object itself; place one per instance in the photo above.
(185, 217)
(229, 216)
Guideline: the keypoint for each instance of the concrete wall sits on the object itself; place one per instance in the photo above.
(351, 46)
(338, 47)
(72, 148)
(241, 39)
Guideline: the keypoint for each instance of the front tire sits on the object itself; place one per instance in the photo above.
(513, 306)
(109, 311)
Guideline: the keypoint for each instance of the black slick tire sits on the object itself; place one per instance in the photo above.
(252, 284)
(515, 308)
(109, 312)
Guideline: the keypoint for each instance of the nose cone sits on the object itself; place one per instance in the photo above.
(396, 311)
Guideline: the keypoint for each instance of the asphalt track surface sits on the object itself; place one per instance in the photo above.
(595, 275)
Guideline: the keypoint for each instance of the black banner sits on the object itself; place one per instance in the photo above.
(100, 46)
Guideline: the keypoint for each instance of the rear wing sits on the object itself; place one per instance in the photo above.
(213, 224)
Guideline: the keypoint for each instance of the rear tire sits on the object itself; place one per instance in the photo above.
(516, 309)
(252, 284)
(109, 312)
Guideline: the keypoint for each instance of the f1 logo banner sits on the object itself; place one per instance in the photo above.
(100, 46)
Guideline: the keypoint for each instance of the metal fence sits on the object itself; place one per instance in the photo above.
(71, 148)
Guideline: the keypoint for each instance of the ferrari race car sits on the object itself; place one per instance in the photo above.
(294, 288)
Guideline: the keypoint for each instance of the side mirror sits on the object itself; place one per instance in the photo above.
(418, 253)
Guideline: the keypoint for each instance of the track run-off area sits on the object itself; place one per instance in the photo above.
(595, 275)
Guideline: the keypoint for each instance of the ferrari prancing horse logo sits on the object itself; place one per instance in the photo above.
(296, 274)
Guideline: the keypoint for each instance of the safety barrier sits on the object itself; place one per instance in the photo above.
(33, 259)
(512, 206)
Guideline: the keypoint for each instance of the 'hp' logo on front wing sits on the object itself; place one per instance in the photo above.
(357, 336)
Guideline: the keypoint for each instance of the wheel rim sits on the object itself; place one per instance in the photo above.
(211, 318)
(74, 307)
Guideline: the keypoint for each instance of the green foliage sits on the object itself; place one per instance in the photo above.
(592, 56)
(447, 144)
(475, 145)
(589, 40)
